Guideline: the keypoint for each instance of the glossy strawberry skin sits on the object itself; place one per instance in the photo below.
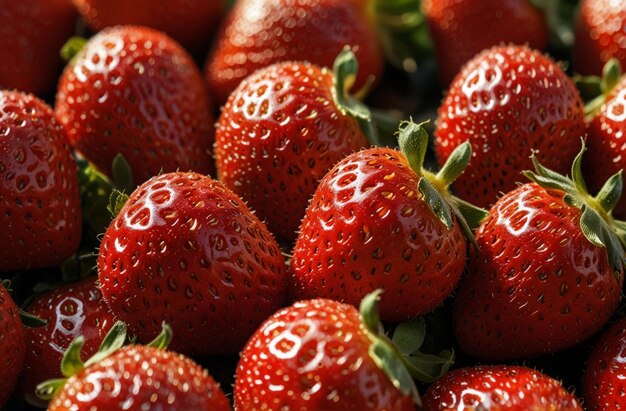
(134, 91)
(140, 378)
(39, 197)
(368, 227)
(186, 250)
(537, 285)
(498, 388)
(31, 34)
(258, 33)
(11, 345)
(313, 356)
(461, 29)
(506, 102)
(277, 136)
(70, 311)
(599, 32)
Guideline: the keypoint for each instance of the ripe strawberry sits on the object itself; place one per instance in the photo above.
(549, 270)
(184, 249)
(508, 101)
(70, 311)
(461, 29)
(259, 33)
(31, 35)
(379, 220)
(134, 91)
(498, 388)
(281, 130)
(39, 199)
(600, 27)
(11, 345)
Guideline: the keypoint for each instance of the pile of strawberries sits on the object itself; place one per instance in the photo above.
(252, 235)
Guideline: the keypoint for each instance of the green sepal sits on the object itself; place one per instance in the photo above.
(72, 47)
(71, 362)
(611, 75)
(386, 358)
(577, 170)
(113, 341)
(122, 173)
(369, 311)
(116, 202)
(436, 202)
(163, 340)
(31, 321)
(79, 266)
(409, 335)
(455, 164)
(49, 389)
(95, 189)
(413, 142)
(429, 367)
(611, 191)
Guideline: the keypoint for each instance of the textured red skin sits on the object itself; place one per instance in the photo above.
(134, 91)
(506, 102)
(187, 251)
(277, 136)
(461, 29)
(537, 287)
(31, 34)
(70, 311)
(606, 154)
(140, 378)
(190, 22)
(599, 32)
(498, 388)
(314, 356)
(39, 199)
(11, 345)
(367, 228)
(604, 381)
(258, 33)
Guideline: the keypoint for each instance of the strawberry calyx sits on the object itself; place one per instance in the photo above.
(598, 88)
(435, 188)
(72, 47)
(596, 221)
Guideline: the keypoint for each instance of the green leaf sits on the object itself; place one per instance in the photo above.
(577, 171)
(591, 226)
(455, 164)
(385, 357)
(413, 141)
(72, 47)
(611, 75)
(49, 389)
(473, 215)
(116, 202)
(122, 174)
(436, 202)
(428, 367)
(369, 311)
(611, 192)
(113, 341)
(163, 340)
(409, 335)
(71, 362)
(31, 321)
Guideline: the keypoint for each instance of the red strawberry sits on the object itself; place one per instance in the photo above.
(378, 220)
(31, 35)
(134, 91)
(11, 345)
(508, 101)
(600, 27)
(184, 249)
(189, 22)
(281, 130)
(461, 29)
(39, 198)
(604, 380)
(549, 272)
(70, 311)
(259, 33)
(498, 388)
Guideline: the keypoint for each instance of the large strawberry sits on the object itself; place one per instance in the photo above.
(549, 270)
(186, 250)
(12, 346)
(39, 199)
(281, 130)
(258, 33)
(379, 220)
(508, 101)
(498, 388)
(134, 91)
(31, 35)
(463, 28)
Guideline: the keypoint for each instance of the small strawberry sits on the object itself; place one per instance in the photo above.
(12, 346)
(259, 33)
(379, 220)
(134, 91)
(498, 388)
(461, 29)
(186, 250)
(281, 130)
(549, 270)
(507, 102)
(39, 197)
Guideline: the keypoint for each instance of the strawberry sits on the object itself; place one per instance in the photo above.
(281, 130)
(134, 91)
(549, 270)
(186, 250)
(599, 35)
(507, 102)
(39, 198)
(191, 23)
(379, 220)
(31, 35)
(11, 345)
(461, 29)
(498, 388)
(69, 311)
(259, 33)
